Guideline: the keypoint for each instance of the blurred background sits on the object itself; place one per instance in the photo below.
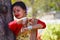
(47, 11)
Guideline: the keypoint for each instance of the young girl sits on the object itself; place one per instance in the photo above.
(24, 24)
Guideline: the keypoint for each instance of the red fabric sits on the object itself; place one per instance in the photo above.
(14, 27)
(42, 23)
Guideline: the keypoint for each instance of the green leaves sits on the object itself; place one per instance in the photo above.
(52, 32)
(13, 1)
(46, 5)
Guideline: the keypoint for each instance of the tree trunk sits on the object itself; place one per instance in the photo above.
(33, 35)
(5, 18)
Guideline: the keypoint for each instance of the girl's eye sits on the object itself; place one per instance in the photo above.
(18, 10)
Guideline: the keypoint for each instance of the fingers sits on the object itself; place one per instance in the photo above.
(33, 21)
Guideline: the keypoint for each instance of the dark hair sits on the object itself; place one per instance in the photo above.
(21, 4)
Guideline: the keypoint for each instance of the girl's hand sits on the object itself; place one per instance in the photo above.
(33, 21)
(24, 30)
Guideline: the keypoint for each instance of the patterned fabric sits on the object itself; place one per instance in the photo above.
(24, 36)
(16, 29)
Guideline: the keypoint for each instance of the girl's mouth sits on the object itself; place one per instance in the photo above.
(17, 15)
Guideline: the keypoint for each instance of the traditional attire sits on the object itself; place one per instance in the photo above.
(15, 28)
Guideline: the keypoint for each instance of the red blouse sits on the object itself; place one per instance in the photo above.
(15, 28)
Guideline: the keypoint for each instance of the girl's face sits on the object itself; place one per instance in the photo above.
(19, 12)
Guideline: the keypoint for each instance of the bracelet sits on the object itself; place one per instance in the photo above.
(29, 27)
(24, 19)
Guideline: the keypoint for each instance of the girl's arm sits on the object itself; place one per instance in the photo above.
(40, 25)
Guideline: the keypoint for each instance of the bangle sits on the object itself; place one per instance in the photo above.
(29, 27)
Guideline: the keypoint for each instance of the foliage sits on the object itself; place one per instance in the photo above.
(52, 32)
(13, 1)
(41, 5)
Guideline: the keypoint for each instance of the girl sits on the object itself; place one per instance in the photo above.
(24, 24)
